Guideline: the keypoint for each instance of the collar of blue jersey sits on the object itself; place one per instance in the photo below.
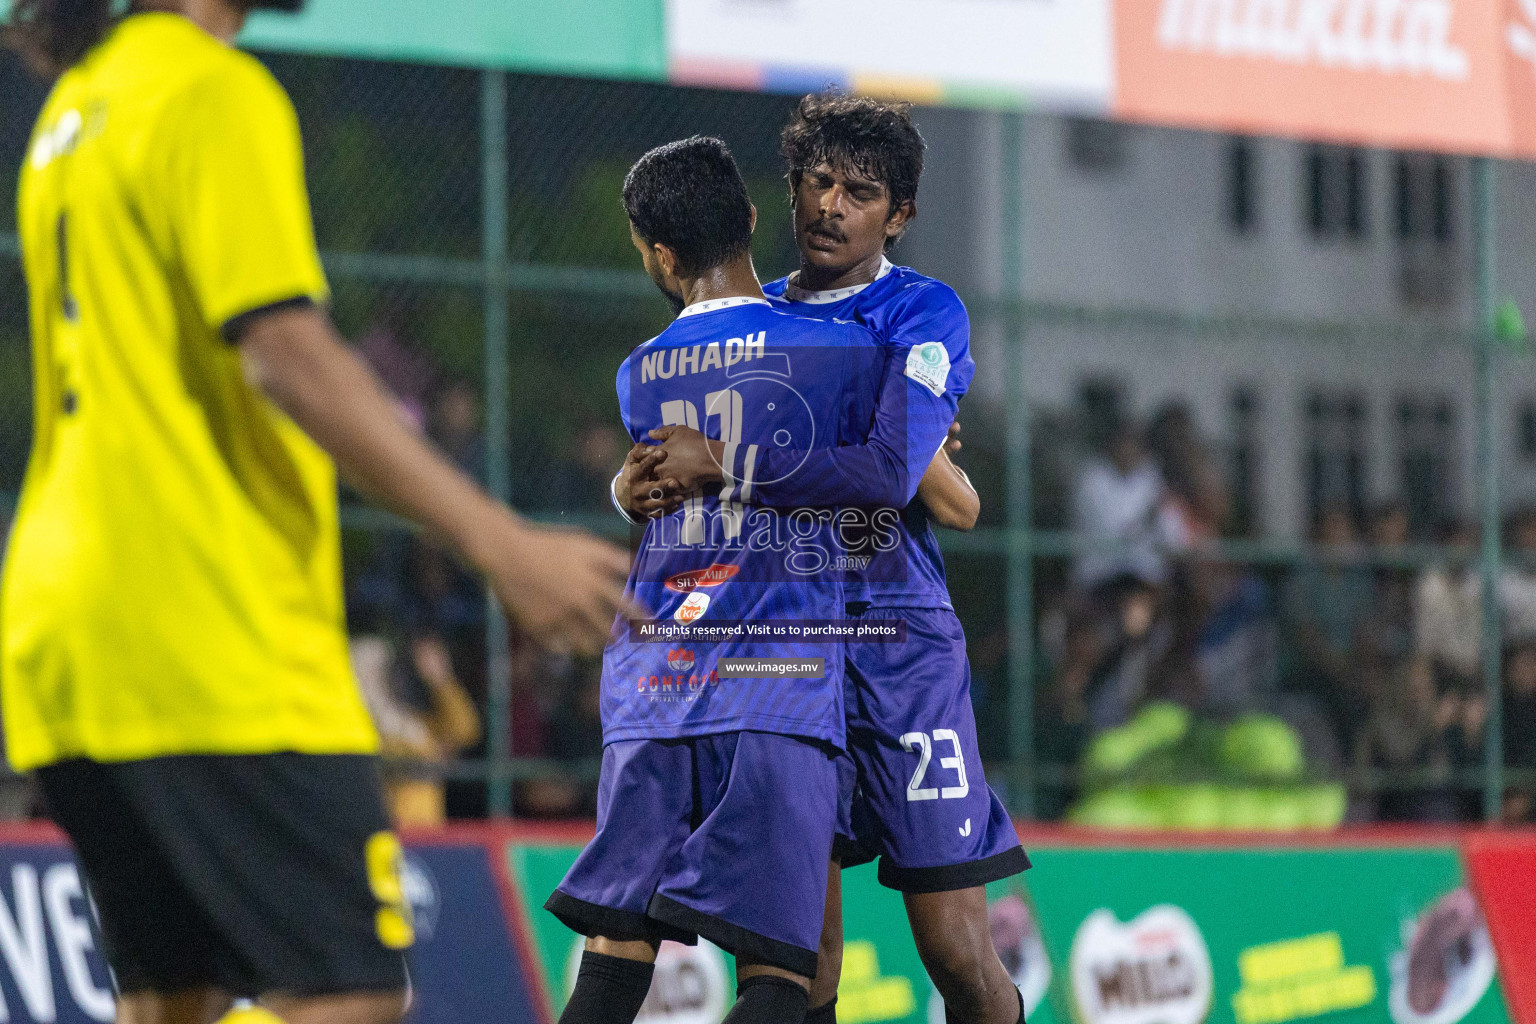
(711, 305)
(794, 293)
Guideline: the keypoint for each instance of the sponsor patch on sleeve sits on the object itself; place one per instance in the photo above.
(928, 364)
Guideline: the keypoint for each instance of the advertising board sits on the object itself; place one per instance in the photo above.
(1349, 931)
(1445, 75)
(1358, 928)
(467, 963)
(1054, 53)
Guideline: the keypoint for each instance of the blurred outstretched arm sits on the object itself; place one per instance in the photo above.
(562, 587)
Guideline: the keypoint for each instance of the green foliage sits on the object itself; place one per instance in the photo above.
(1262, 748)
(1166, 769)
(1206, 807)
(586, 226)
(1509, 326)
(1158, 729)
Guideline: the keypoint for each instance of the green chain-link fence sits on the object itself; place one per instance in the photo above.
(479, 256)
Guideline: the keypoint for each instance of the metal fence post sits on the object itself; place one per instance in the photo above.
(1020, 558)
(493, 150)
(1488, 491)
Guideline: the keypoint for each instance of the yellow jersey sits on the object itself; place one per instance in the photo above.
(173, 579)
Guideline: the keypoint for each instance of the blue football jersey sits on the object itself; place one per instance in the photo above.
(760, 380)
(926, 331)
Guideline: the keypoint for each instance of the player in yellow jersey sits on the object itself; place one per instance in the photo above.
(172, 644)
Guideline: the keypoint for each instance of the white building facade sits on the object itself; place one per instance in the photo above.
(1211, 226)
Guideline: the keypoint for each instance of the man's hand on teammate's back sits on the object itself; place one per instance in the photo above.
(692, 460)
(640, 489)
(563, 588)
(656, 478)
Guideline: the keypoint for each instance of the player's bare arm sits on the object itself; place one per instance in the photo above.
(686, 461)
(563, 588)
(946, 491)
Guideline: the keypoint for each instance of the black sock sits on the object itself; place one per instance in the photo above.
(823, 1014)
(947, 1016)
(609, 990)
(768, 999)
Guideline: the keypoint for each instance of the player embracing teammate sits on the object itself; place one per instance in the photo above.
(719, 793)
(922, 804)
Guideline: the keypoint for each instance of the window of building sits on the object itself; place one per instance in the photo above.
(1243, 410)
(1424, 207)
(1094, 144)
(1426, 432)
(1527, 430)
(1425, 216)
(1101, 405)
(1242, 185)
(1336, 192)
(1335, 452)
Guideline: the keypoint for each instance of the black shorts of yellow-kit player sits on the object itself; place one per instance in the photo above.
(249, 874)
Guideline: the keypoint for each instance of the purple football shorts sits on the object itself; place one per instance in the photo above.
(917, 796)
(726, 836)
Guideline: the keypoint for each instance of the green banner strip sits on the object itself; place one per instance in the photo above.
(597, 38)
(604, 38)
(1188, 936)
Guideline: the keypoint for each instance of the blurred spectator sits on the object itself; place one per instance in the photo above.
(413, 587)
(1207, 642)
(443, 596)
(1448, 614)
(1389, 525)
(1111, 650)
(574, 733)
(424, 718)
(398, 582)
(1517, 584)
(1116, 588)
(1386, 632)
(1118, 504)
(1238, 651)
(456, 427)
(1326, 602)
(581, 485)
(1520, 728)
(1196, 493)
(1409, 730)
(388, 348)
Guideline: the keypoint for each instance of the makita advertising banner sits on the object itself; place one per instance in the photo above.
(1445, 75)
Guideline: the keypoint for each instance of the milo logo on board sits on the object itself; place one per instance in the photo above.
(1154, 969)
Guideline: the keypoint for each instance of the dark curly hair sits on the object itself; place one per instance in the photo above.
(874, 138)
(689, 196)
(53, 34)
